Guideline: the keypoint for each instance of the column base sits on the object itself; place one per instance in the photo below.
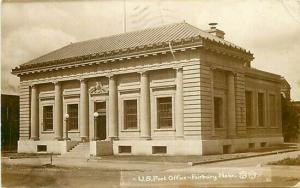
(84, 139)
(179, 137)
(113, 138)
(145, 137)
(34, 138)
(67, 139)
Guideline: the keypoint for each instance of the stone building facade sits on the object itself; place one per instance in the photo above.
(174, 90)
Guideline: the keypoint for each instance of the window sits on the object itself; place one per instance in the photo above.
(164, 112)
(263, 144)
(124, 149)
(272, 110)
(248, 108)
(261, 113)
(218, 112)
(159, 149)
(251, 146)
(41, 148)
(72, 110)
(48, 118)
(130, 114)
(226, 149)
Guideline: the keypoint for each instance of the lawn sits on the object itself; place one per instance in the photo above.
(287, 161)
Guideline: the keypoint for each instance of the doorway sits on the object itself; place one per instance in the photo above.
(100, 121)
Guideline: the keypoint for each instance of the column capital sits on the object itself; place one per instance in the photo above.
(32, 85)
(233, 73)
(143, 72)
(56, 82)
(82, 79)
(110, 76)
(178, 67)
(212, 67)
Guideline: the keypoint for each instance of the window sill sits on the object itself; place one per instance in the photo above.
(47, 132)
(73, 131)
(164, 129)
(130, 130)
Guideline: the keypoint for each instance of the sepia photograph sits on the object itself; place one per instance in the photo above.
(140, 93)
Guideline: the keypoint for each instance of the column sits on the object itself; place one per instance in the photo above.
(179, 125)
(113, 108)
(213, 131)
(231, 104)
(58, 114)
(34, 113)
(145, 106)
(83, 112)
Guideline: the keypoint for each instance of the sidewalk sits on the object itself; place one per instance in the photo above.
(136, 162)
(84, 163)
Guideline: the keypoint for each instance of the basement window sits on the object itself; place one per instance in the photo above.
(251, 145)
(124, 149)
(226, 149)
(159, 149)
(263, 144)
(41, 148)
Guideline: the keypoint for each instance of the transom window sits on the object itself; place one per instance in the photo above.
(164, 112)
(130, 114)
(248, 108)
(48, 118)
(261, 113)
(218, 111)
(72, 110)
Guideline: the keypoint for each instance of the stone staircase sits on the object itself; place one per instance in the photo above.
(82, 150)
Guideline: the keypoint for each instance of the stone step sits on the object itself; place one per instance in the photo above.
(82, 150)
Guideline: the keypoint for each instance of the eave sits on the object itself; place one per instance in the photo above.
(131, 53)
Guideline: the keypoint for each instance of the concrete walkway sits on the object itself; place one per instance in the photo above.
(123, 171)
(83, 163)
(142, 165)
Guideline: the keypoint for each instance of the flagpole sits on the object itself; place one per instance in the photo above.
(124, 24)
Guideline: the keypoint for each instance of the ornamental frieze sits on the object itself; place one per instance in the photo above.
(98, 89)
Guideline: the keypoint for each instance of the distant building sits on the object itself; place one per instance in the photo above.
(174, 89)
(285, 89)
(9, 122)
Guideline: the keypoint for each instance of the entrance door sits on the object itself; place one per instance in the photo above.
(101, 127)
(100, 107)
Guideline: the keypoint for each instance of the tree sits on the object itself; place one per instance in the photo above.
(289, 120)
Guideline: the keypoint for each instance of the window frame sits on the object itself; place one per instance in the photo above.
(252, 123)
(221, 111)
(125, 127)
(43, 118)
(67, 111)
(263, 110)
(275, 110)
(157, 113)
(128, 95)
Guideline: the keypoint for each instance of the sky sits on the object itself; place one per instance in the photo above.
(268, 28)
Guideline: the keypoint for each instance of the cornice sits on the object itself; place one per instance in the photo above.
(109, 73)
(111, 56)
(179, 45)
(222, 49)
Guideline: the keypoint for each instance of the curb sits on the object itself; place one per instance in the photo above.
(243, 157)
(135, 162)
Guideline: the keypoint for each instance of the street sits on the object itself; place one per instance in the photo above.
(36, 173)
